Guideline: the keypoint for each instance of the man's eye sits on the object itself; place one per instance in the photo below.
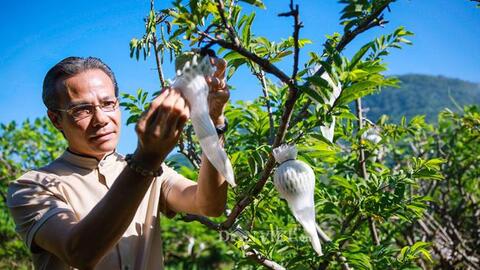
(108, 104)
(81, 110)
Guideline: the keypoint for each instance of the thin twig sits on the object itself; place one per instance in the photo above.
(158, 62)
(271, 132)
(155, 49)
(363, 170)
(294, 12)
(204, 220)
(257, 257)
(230, 9)
(189, 151)
(231, 31)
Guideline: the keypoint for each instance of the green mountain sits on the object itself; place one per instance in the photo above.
(421, 94)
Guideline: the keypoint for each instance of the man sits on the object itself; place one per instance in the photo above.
(94, 209)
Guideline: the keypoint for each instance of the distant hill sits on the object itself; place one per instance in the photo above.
(421, 94)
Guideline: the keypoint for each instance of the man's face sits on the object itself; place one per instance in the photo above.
(97, 134)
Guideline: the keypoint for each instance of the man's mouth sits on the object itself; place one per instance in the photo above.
(101, 136)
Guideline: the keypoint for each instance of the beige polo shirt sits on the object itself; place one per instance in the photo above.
(76, 183)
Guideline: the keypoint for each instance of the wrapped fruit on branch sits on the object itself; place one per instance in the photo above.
(328, 129)
(295, 181)
(372, 135)
(190, 81)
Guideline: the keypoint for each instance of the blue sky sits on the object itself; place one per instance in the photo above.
(37, 34)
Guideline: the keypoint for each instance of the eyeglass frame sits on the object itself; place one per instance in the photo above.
(69, 111)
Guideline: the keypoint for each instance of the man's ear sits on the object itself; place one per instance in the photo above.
(55, 118)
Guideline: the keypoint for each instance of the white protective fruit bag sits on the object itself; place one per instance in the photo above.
(190, 81)
(372, 134)
(328, 129)
(295, 181)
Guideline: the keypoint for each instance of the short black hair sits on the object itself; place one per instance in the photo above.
(67, 68)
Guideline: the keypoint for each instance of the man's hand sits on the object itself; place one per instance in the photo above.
(219, 93)
(159, 128)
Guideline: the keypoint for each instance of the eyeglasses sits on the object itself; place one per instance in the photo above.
(86, 110)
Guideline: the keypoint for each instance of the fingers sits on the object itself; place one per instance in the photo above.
(146, 117)
(220, 65)
(216, 84)
(158, 124)
(160, 127)
(172, 113)
(186, 110)
(176, 117)
(217, 81)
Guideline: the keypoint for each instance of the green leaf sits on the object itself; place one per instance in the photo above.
(132, 119)
(358, 56)
(246, 31)
(312, 94)
(355, 91)
(233, 55)
(257, 3)
(343, 182)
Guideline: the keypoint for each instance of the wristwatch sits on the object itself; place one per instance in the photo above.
(221, 129)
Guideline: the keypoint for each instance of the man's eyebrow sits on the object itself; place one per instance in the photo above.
(108, 98)
(82, 102)
(77, 103)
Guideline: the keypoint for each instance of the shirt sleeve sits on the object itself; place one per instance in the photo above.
(168, 178)
(31, 204)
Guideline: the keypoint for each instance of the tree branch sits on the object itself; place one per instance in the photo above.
(263, 63)
(189, 152)
(363, 170)
(296, 30)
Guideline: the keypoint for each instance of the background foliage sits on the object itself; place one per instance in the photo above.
(406, 202)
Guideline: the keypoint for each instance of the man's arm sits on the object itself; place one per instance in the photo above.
(209, 195)
(206, 197)
(70, 239)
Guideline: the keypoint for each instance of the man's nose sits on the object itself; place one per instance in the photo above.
(100, 118)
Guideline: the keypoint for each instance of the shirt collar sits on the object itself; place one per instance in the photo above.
(88, 162)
